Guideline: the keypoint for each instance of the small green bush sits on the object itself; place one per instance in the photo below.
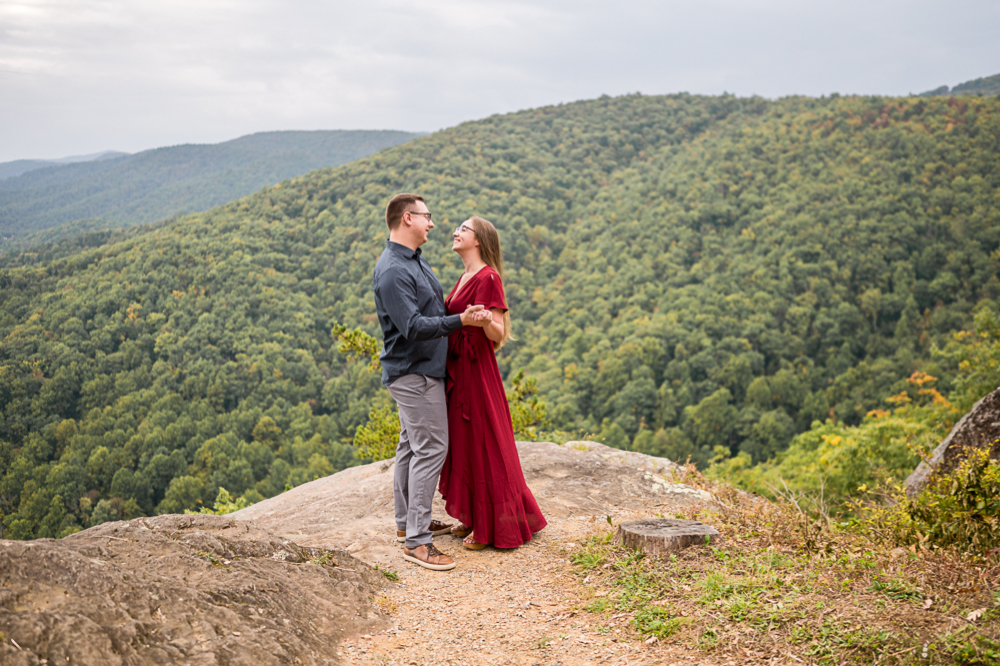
(224, 503)
(377, 439)
(959, 509)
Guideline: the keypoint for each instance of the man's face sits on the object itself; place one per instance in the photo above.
(420, 220)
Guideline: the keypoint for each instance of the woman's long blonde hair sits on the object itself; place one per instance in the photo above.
(489, 251)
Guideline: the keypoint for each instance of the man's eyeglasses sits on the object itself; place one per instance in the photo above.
(413, 212)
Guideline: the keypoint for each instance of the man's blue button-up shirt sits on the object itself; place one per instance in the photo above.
(410, 307)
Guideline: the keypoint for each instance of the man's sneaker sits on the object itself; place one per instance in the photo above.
(429, 557)
(437, 528)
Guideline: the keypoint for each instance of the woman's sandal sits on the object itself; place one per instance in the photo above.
(461, 531)
(467, 542)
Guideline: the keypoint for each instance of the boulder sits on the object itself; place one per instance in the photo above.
(180, 590)
(981, 426)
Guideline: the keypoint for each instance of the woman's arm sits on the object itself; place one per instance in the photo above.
(494, 328)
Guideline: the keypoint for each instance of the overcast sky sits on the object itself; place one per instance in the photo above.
(81, 76)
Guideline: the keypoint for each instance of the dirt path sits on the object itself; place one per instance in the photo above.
(523, 606)
(497, 607)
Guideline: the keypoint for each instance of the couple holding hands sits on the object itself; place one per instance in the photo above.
(439, 364)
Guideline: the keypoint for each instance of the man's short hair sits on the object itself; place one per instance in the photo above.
(398, 205)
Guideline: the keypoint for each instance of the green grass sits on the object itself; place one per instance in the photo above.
(388, 573)
(657, 621)
(597, 606)
(978, 652)
(211, 558)
(326, 558)
(593, 553)
(834, 639)
(897, 589)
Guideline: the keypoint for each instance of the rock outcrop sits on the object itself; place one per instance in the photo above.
(179, 590)
(981, 426)
(275, 583)
(353, 509)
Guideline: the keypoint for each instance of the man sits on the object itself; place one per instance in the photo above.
(415, 326)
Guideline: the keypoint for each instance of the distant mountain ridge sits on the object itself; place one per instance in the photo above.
(986, 85)
(155, 184)
(17, 167)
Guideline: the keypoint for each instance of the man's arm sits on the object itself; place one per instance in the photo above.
(399, 298)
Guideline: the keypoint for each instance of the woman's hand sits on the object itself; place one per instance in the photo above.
(493, 327)
(475, 315)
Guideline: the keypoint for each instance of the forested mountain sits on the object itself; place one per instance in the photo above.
(158, 183)
(686, 275)
(986, 85)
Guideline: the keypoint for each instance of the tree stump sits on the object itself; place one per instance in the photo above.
(665, 535)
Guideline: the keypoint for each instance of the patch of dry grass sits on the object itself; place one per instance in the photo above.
(782, 586)
(385, 604)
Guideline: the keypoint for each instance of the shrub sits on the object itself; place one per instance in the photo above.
(378, 438)
(960, 509)
(224, 503)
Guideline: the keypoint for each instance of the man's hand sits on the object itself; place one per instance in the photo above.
(473, 315)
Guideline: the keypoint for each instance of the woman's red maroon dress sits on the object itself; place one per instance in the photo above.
(482, 482)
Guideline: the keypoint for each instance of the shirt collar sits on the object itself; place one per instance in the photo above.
(402, 250)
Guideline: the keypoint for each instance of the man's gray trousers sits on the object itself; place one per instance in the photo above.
(420, 454)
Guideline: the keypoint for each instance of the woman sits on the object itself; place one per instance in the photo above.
(482, 482)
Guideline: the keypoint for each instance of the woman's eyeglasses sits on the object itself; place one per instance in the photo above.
(464, 227)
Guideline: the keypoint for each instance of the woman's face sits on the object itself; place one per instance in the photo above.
(464, 238)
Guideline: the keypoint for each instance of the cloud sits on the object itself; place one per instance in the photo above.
(89, 75)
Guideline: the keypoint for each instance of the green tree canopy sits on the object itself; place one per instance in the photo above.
(687, 275)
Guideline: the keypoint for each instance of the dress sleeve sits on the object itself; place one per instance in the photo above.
(489, 292)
